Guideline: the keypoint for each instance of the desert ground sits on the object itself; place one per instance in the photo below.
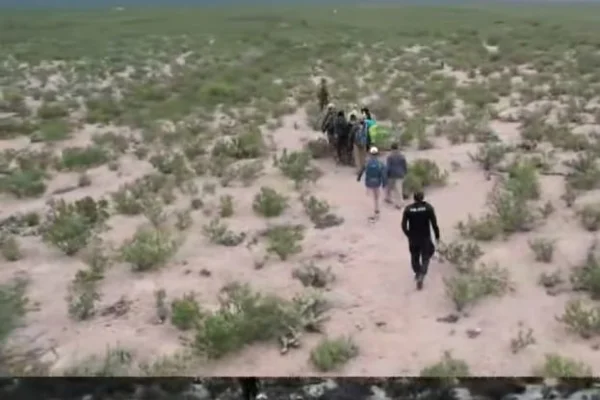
(169, 207)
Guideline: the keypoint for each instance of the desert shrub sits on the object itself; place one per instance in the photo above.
(312, 276)
(174, 164)
(523, 181)
(331, 354)
(285, 240)
(52, 110)
(556, 366)
(69, 226)
(589, 216)
(543, 249)
(226, 208)
(482, 281)
(10, 248)
(297, 167)
(489, 155)
(246, 317)
(269, 203)
(24, 183)
(51, 131)
(585, 173)
(115, 141)
(484, 229)
(512, 211)
(185, 312)
(587, 276)
(581, 319)
(244, 146)
(320, 213)
(131, 198)
(74, 158)
(219, 233)
(114, 363)
(13, 306)
(318, 148)
(150, 248)
(423, 173)
(569, 196)
(153, 210)
(522, 341)
(82, 296)
(447, 367)
(463, 255)
(250, 171)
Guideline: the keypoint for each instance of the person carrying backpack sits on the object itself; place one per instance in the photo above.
(375, 173)
(397, 169)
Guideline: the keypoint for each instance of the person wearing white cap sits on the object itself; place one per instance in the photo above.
(375, 172)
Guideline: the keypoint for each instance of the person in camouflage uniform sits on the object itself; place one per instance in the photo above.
(341, 130)
(327, 126)
(355, 127)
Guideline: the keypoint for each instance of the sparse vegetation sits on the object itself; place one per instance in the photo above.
(543, 249)
(269, 203)
(285, 240)
(185, 312)
(331, 354)
(556, 366)
(149, 248)
(190, 147)
(447, 367)
(467, 289)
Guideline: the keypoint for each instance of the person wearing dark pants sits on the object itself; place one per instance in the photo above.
(417, 221)
(341, 131)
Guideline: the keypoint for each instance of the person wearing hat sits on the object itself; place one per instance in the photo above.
(417, 221)
(375, 173)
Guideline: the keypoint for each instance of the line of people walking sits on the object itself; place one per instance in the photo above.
(348, 137)
(350, 141)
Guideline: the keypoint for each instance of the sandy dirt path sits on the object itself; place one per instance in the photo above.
(376, 301)
(374, 296)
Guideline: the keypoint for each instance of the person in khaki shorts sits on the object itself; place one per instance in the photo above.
(396, 169)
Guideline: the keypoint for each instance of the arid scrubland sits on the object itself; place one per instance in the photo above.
(168, 208)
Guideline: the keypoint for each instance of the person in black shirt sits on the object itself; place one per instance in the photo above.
(416, 222)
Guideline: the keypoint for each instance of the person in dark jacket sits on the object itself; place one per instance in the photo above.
(353, 132)
(341, 131)
(417, 221)
(397, 169)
